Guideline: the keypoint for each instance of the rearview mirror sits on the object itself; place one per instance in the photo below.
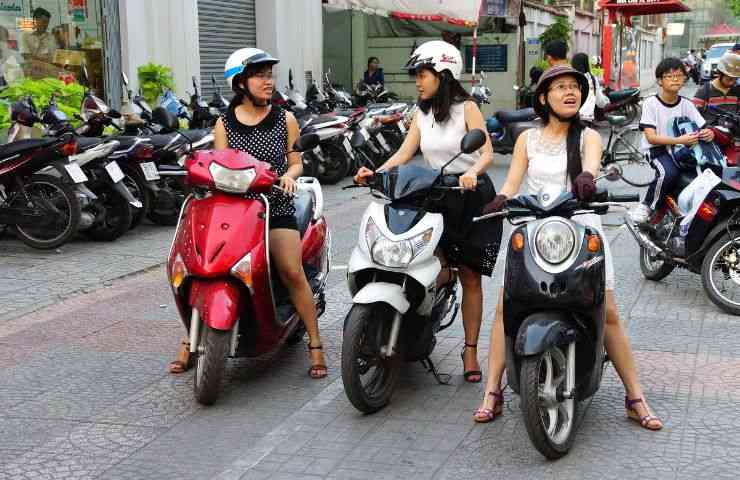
(114, 114)
(306, 142)
(125, 79)
(613, 173)
(472, 141)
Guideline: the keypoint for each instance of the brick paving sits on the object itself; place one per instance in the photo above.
(84, 391)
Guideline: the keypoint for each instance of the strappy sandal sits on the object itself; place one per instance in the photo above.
(470, 373)
(645, 420)
(318, 370)
(182, 364)
(485, 415)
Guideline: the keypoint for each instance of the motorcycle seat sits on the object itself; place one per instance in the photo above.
(516, 116)
(616, 120)
(86, 143)
(24, 146)
(304, 206)
(619, 95)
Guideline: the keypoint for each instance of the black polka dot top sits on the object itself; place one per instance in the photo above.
(266, 141)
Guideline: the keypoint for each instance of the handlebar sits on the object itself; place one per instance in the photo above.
(624, 197)
(615, 200)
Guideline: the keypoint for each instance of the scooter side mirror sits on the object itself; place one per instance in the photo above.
(613, 173)
(306, 142)
(114, 114)
(472, 141)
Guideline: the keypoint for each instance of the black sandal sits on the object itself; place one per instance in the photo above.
(318, 370)
(470, 373)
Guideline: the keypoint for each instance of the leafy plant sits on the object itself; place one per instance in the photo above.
(560, 30)
(154, 79)
(68, 96)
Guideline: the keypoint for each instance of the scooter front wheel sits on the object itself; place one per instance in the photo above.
(369, 378)
(210, 363)
(546, 381)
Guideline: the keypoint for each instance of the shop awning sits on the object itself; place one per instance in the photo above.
(631, 8)
(457, 12)
(721, 31)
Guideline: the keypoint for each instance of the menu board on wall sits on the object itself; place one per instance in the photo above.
(11, 8)
(490, 58)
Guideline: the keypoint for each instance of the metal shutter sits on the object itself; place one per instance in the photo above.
(224, 26)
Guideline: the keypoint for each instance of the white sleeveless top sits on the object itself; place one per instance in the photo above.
(548, 167)
(441, 141)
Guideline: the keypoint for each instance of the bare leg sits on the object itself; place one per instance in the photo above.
(496, 355)
(290, 268)
(619, 350)
(472, 314)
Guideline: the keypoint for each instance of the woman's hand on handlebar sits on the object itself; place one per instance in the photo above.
(496, 205)
(288, 185)
(469, 180)
(362, 175)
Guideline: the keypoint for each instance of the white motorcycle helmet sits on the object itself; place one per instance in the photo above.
(243, 58)
(438, 55)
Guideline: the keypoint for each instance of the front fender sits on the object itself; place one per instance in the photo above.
(217, 301)
(543, 330)
(383, 292)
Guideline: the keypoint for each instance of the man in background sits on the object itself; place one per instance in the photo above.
(556, 52)
(39, 44)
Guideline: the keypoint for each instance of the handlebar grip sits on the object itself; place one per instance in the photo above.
(624, 197)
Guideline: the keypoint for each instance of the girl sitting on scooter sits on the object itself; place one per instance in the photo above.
(253, 125)
(562, 153)
(446, 113)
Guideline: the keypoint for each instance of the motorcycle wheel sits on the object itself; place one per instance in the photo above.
(624, 151)
(58, 197)
(116, 217)
(652, 268)
(137, 186)
(170, 216)
(720, 274)
(369, 379)
(210, 363)
(336, 165)
(550, 423)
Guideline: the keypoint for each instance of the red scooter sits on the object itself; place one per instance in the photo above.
(228, 295)
(726, 127)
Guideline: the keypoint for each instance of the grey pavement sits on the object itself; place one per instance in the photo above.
(84, 391)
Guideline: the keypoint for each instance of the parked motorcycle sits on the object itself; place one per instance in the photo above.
(370, 94)
(625, 102)
(505, 127)
(397, 306)
(726, 127)
(227, 293)
(43, 209)
(554, 311)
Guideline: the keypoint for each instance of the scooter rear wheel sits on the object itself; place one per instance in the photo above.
(210, 363)
(117, 215)
(369, 378)
(549, 418)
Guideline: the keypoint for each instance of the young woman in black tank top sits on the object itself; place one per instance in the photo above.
(264, 131)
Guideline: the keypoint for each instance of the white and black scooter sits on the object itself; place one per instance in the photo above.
(398, 306)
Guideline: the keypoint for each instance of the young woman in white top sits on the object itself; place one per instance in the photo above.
(580, 63)
(562, 153)
(446, 113)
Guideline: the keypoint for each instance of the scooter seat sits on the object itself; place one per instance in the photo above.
(24, 146)
(86, 143)
(616, 120)
(304, 206)
(523, 115)
(619, 95)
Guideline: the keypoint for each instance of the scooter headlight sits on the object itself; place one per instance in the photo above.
(391, 253)
(232, 181)
(555, 241)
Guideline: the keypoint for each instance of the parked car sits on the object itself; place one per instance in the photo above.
(709, 68)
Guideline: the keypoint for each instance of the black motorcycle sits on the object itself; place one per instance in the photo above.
(505, 127)
(709, 246)
(554, 311)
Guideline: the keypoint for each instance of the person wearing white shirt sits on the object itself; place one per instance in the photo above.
(40, 43)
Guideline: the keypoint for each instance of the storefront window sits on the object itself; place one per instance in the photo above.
(51, 39)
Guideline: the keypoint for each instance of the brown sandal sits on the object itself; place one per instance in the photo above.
(182, 364)
(318, 370)
(645, 420)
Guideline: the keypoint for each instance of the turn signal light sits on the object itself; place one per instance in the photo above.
(594, 243)
(179, 272)
(517, 242)
(243, 270)
(707, 212)
(68, 149)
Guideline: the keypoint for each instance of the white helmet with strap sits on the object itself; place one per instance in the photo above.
(438, 55)
(241, 59)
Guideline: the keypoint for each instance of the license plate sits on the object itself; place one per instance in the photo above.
(116, 175)
(348, 147)
(150, 171)
(76, 173)
(383, 142)
(402, 126)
